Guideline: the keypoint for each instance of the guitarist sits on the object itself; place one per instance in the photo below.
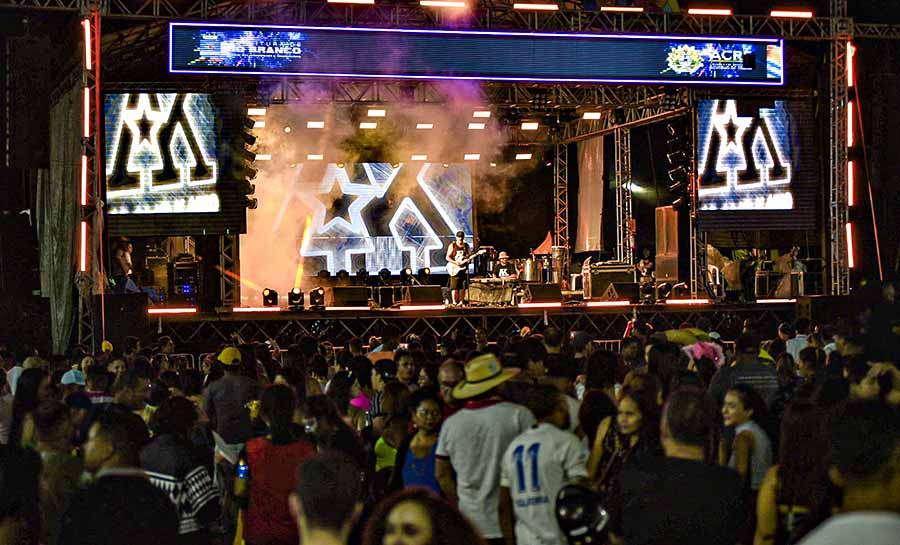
(459, 254)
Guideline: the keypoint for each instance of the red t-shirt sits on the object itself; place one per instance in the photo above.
(273, 474)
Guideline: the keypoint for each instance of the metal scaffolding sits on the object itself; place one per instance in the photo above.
(624, 217)
(838, 96)
(561, 198)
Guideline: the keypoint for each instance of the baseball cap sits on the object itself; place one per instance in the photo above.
(72, 376)
(106, 346)
(460, 234)
(502, 255)
(230, 356)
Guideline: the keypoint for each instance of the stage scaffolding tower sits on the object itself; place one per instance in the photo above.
(624, 217)
(561, 199)
(838, 97)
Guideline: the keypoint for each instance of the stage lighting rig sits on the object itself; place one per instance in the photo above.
(295, 299)
(406, 277)
(270, 297)
(317, 299)
(424, 276)
(343, 277)
(384, 277)
(323, 275)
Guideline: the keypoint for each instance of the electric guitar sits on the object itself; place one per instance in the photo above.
(453, 269)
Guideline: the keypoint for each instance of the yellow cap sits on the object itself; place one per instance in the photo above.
(230, 356)
(106, 346)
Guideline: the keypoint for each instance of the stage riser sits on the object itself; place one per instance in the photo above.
(203, 333)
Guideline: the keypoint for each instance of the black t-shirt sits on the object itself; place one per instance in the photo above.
(504, 271)
(674, 501)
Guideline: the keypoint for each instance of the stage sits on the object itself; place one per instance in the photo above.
(199, 332)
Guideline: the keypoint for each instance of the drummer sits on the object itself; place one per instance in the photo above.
(505, 269)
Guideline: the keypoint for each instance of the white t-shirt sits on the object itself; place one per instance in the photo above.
(574, 406)
(536, 466)
(795, 345)
(868, 527)
(474, 441)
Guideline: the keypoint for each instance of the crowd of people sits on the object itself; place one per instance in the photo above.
(679, 437)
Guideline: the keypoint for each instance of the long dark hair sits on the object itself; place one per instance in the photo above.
(277, 405)
(802, 456)
(448, 525)
(339, 389)
(25, 401)
(751, 399)
(646, 401)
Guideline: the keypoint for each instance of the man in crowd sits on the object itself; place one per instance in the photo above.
(61, 472)
(798, 342)
(450, 374)
(536, 465)
(681, 498)
(96, 382)
(472, 442)
(326, 503)
(531, 355)
(120, 506)
(747, 368)
(865, 452)
(225, 400)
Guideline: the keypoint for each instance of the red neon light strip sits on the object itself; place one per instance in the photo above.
(356, 309)
(850, 136)
(775, 301)
(609, 304)
(83, 255)
(86, 112)
(687, 301)
(622, 9)
(851, 77)
(86, 23)
(851, 259)
(256, 309)
(710, 11)
(407, 308)
(536, 7)
(791, 14)
(540, 305)
(84, 180)
(851, 184)
(172, 310)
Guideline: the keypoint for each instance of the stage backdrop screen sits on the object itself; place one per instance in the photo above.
(333, 216)
(161, 165)
(756, 164)
(476, 55)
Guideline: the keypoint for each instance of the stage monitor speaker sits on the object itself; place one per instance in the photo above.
(543, 293)
(347, 296)
(666, 244)
(126, 316)
(422, 295)
(621, 291)
(602, 278)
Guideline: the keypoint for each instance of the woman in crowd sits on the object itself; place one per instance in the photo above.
(633, 436)
(271, 476)
(329, 431)
(416, 517)
(32, 387)
(339, 391)
(798, 485)
(415, 461)
(176, 466)
(361, 370)
(428, 376)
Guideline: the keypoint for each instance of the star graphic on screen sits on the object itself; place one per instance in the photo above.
(340, 204)
(731, 128)
(144, 126)
(144, 122)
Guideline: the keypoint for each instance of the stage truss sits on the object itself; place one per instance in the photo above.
(622, 107)
(199, 333)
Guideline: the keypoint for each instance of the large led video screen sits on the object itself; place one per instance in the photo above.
(373, 216)
(160, 153)
(223, 48)
(162, 164)
(756, 166)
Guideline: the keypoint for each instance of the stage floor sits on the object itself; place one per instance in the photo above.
(205, 331)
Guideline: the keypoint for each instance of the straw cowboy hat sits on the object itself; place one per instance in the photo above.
(483, 373)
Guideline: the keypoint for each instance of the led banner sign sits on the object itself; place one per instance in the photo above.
(211, 48)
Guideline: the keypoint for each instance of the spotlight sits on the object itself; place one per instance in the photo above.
(406, 277)
(677, 157)
(323, 275)
(287, 130)
(317, 299)
(424, 276)
(677, 186)
(362, 277)
(384, 277)
(295, 299)
(342, 276)
(270, 298)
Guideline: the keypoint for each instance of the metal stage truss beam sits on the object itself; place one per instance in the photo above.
(838, 97)
(624, 220)
(206, 332)
(490, 15)
(561, 198)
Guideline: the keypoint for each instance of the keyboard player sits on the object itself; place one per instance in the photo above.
(505, 269)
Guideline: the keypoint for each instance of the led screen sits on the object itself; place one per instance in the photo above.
(160, 154)
(754, 163)
(363, 215)
(478, 55)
